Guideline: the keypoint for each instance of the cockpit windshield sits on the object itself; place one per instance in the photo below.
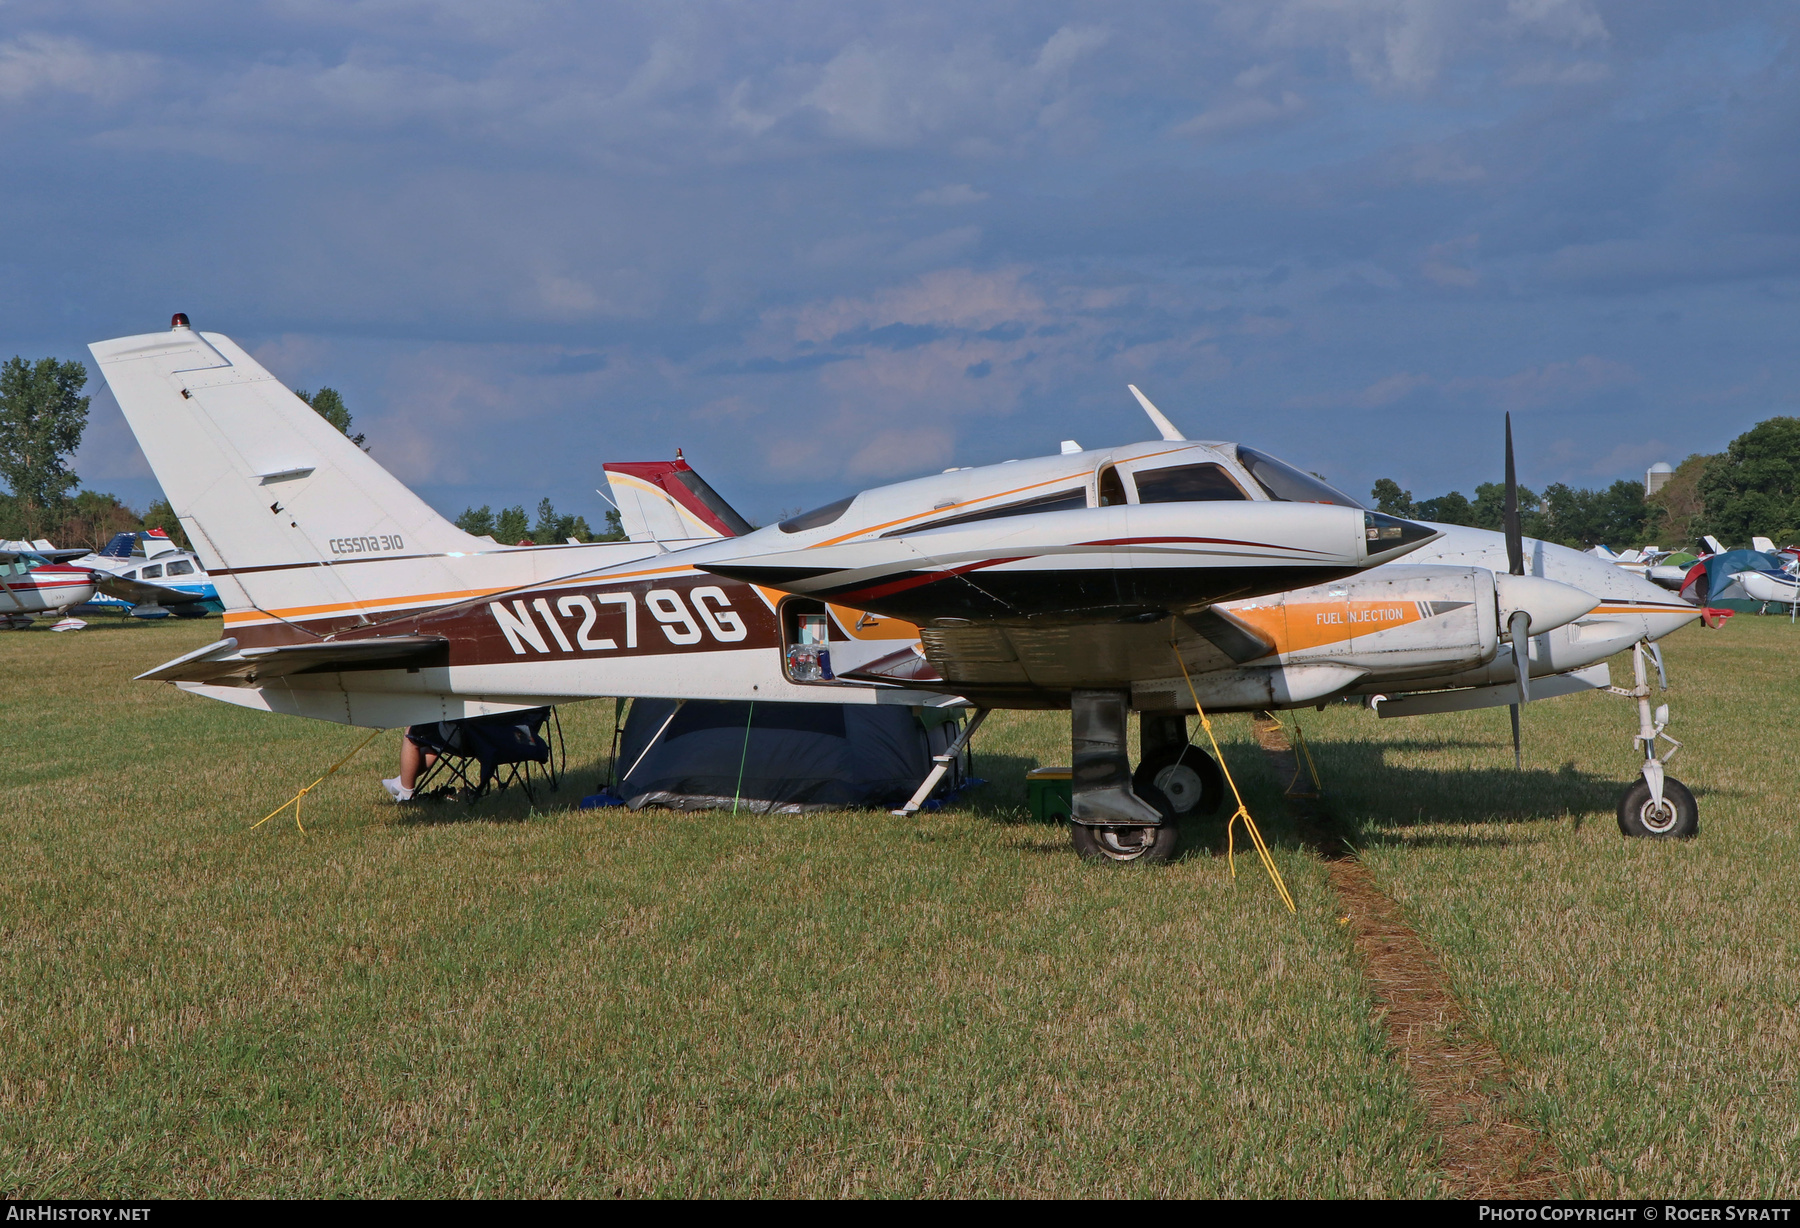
(1287, 484)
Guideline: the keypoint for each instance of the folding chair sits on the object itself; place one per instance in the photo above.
(497, 751)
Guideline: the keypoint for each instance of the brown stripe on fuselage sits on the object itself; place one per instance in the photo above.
(476, 638)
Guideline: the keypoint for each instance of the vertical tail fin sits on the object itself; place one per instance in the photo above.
(665, 501)
(260, 482)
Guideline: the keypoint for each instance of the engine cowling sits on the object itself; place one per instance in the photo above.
(1398, 621)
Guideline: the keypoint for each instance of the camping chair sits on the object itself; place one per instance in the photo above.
(497, 751)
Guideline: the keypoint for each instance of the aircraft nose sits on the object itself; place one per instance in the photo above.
(1389, 537)
(1550, 604)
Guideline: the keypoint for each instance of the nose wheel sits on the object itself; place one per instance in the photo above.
(1675, 817)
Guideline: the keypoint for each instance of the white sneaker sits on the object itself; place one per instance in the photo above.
(392, 785)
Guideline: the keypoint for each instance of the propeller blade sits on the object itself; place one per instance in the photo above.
(1515, 544)
(1662, 675)
(1518, 629)
(1518, 757)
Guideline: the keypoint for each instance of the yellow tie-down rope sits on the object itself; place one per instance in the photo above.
(1243, 811)
(1303, 759)
(294, 801)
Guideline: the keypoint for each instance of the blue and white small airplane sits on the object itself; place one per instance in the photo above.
(146, 575)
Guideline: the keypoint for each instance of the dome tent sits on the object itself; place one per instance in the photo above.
(775, 757)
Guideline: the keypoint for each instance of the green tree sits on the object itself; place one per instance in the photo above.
(1452, 508)
(42, 416)
(615, 532)
(1754, 488)
(1612, 517)
(161, 516)
(1676, 510)
(553, 528)
(477, 521)
(1389, 498)
(328, 403)
(511, 526)
(92, 519)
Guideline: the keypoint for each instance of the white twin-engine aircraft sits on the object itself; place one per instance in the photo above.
(1145, 578)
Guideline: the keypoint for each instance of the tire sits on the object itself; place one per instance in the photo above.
(1148, 845)
(1678, 820)
(1187, 776)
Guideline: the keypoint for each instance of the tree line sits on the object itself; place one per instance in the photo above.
(510, 526)
(1752, 488)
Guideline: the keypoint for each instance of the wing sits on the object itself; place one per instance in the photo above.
(141, 592)
(225, 664)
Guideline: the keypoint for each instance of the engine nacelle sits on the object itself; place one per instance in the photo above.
(1397, 621)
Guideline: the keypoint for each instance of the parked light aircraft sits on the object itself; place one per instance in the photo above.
(146, 575)
(1102, 580)
(34, 581)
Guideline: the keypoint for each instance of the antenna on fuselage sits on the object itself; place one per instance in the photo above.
(1157, 420)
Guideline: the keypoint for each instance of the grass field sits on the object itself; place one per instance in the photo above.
(449, 1001)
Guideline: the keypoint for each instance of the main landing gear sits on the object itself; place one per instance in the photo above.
(1121, 815)
(1658, 806)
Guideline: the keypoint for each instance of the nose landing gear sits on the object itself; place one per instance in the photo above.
(1657, 807)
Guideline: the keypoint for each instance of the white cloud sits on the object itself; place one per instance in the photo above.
(1441, 264)
(895, 95)
(1530, 388)
(951, 194)
(36, 64)
(956, 298)
(1244, 113)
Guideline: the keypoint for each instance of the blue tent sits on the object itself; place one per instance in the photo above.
(775, 757)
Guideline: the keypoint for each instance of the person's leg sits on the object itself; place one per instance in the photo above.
(412, 761)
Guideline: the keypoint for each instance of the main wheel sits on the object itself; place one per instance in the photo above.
(1186, 775)
(1677, 819)
(1146, 844)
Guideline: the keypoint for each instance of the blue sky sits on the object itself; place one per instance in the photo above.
(823, 246)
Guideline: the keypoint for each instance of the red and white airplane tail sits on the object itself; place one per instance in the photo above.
(666, 501)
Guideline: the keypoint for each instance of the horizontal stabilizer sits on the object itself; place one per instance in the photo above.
(224, 663)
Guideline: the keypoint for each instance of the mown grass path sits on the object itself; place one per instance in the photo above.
(452, 1002)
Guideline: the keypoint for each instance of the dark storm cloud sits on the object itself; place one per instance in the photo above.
(822, 245)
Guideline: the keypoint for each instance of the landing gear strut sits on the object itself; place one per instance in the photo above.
(1658, 806)
(1113, 818)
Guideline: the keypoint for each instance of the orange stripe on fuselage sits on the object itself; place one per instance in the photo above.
(338, 607)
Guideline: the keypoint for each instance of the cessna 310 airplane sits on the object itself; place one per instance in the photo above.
(1143, 577)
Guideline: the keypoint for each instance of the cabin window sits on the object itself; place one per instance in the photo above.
(1112, 490)
(1187, 484)
(818, 518)
(1287, 484)
(181, 567)
(153, 572)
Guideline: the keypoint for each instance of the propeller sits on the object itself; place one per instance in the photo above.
(1518, 627)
